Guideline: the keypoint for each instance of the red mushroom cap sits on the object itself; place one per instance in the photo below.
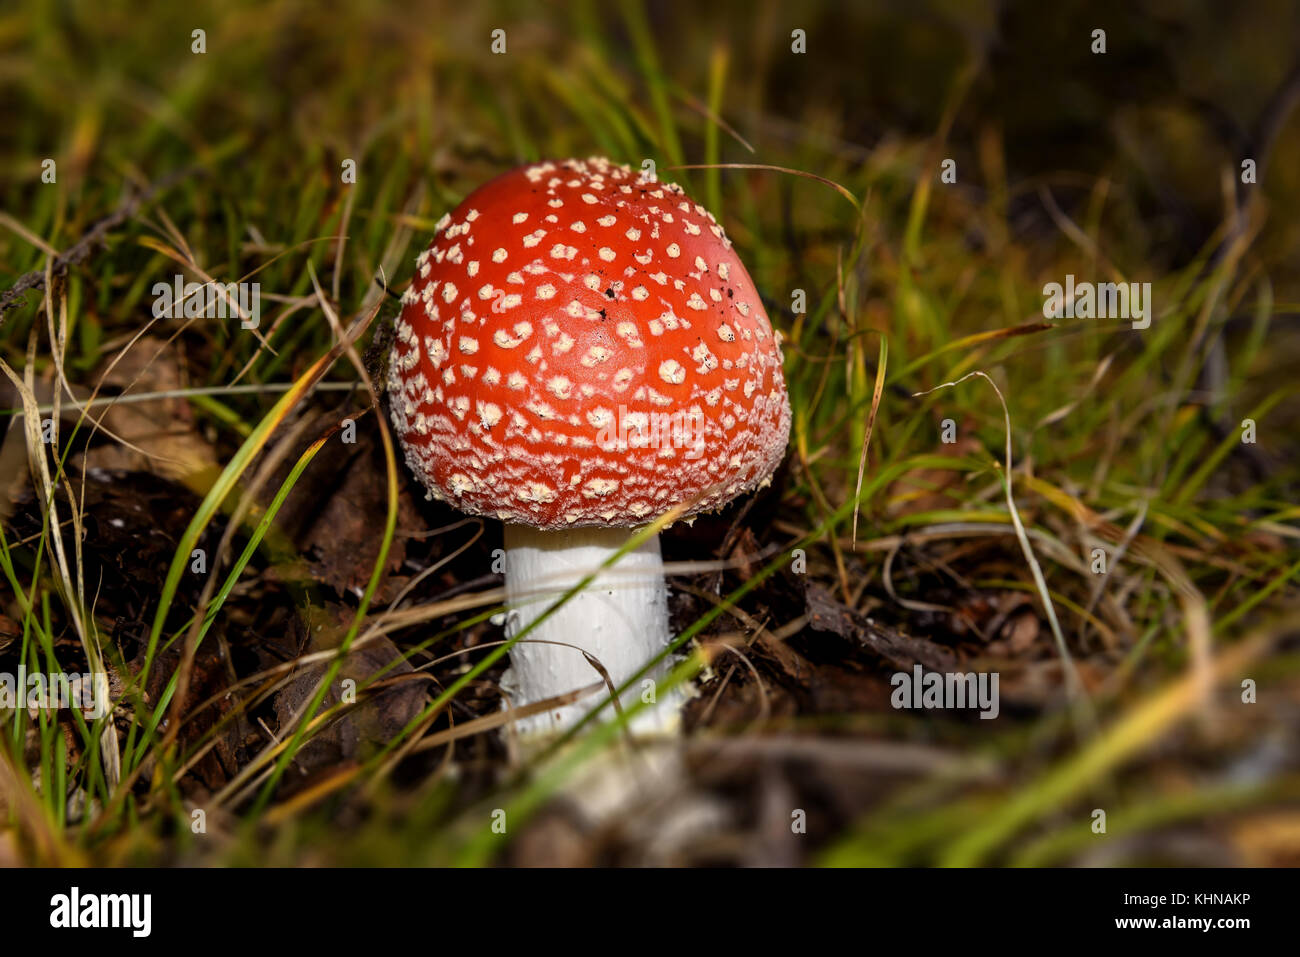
(582, 346)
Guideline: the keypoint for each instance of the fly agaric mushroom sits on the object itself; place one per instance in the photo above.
(580, 351)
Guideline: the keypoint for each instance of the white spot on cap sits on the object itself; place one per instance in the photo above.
(629, 332)
(595, 354)
(537, 492)
(672, 372)
(437, 352)
(706, 359)
(600, 486)
(506, 341)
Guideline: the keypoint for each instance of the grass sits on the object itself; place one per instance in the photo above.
(1107, 438)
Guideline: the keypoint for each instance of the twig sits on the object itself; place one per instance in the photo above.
(93, 237)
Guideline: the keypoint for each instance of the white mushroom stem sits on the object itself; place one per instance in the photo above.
(620, 619)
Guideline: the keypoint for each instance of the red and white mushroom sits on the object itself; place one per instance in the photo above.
(580, 351)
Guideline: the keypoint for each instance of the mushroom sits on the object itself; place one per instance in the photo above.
(581, 351)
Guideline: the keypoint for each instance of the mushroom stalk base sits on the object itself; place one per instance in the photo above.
(620, 619)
